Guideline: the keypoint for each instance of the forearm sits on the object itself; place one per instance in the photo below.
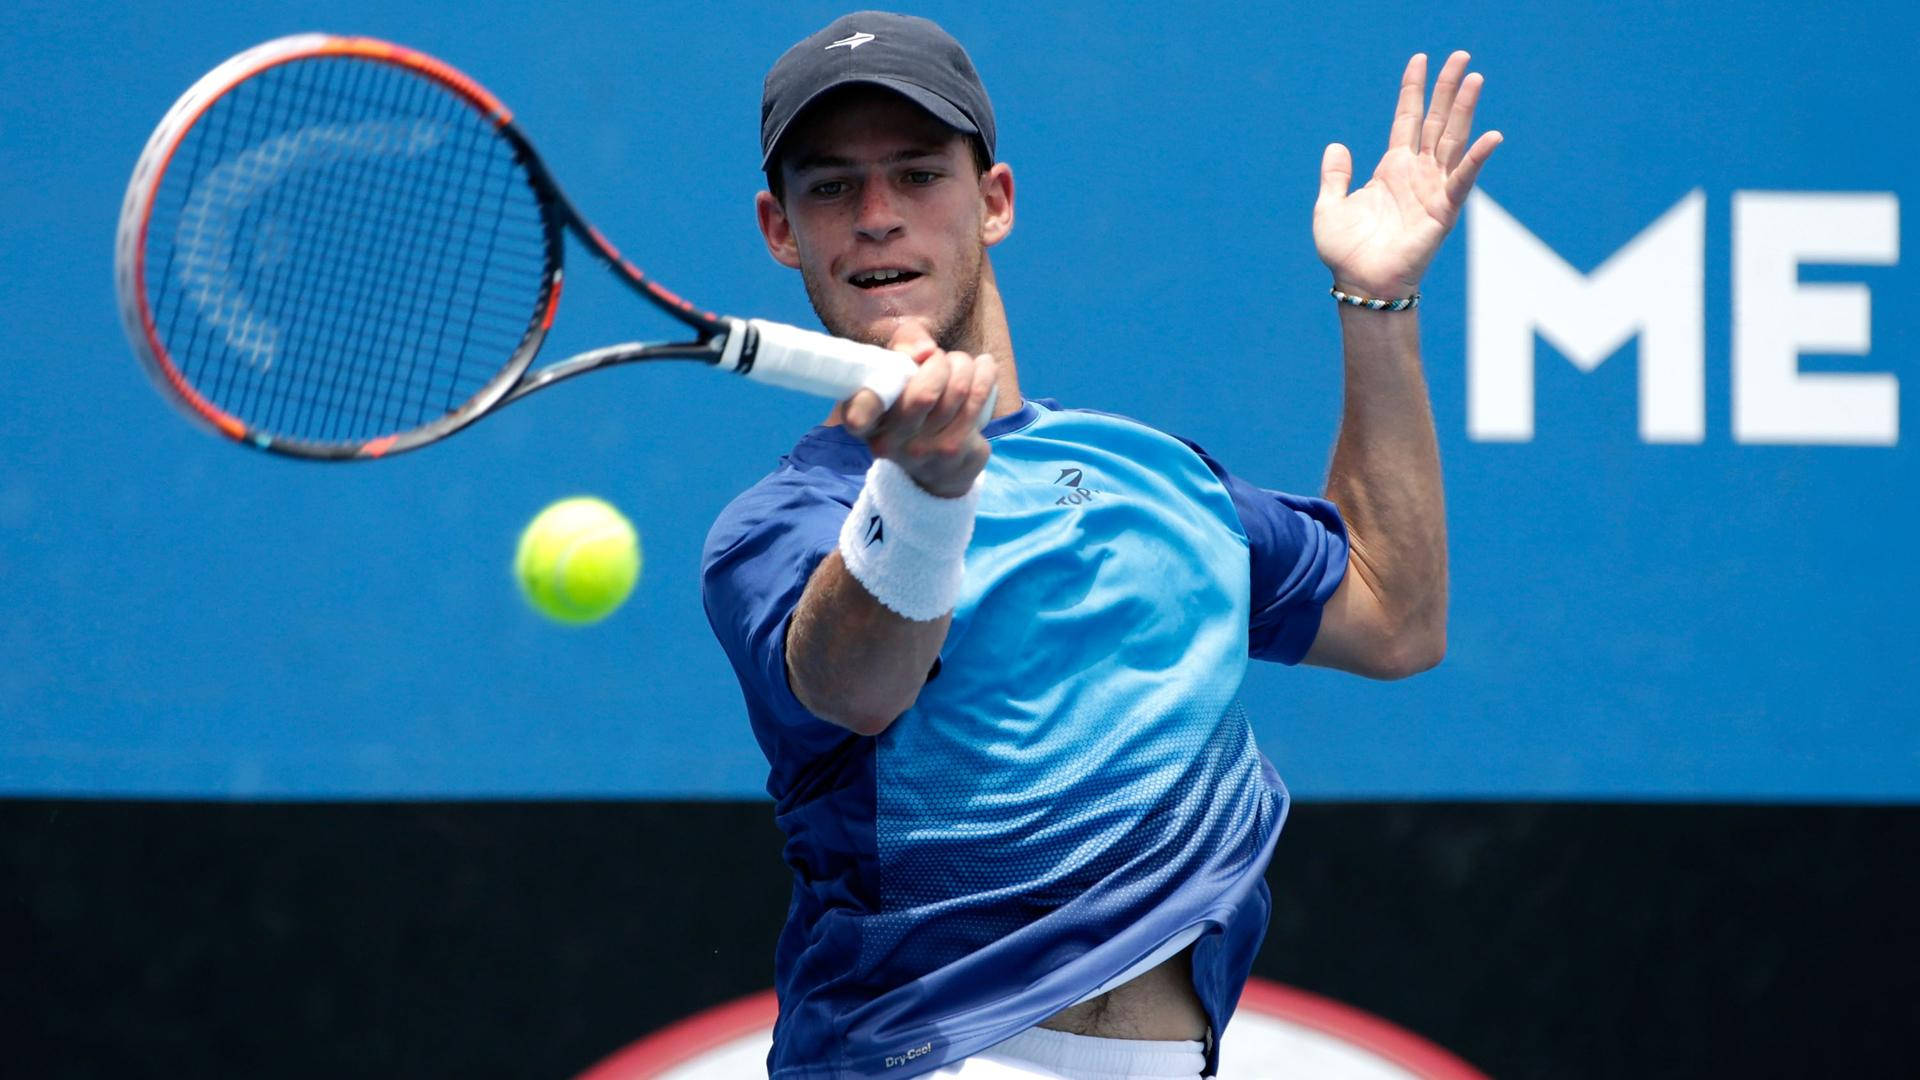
(1385, 478)
(1388, 618)
(864, 637)
(852, 661)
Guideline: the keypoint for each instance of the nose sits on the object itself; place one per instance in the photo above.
(876, 217)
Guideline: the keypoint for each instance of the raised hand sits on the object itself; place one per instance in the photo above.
(1379, 240)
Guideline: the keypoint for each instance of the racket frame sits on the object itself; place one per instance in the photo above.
(727, 343)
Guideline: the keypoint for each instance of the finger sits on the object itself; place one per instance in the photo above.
(986, 375)
(974, 394)
(1440, 110)
(912, 337)
(903, 421)
(1459, 123)
(1461, 181)
(1406, 115)
(1336, 174)
(919, 396)
(980, 399)
(961, 441)
(953, 397)
(863, 411)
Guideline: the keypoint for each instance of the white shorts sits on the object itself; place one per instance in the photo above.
(1044, 1054)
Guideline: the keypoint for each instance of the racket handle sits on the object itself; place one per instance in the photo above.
(816, 363)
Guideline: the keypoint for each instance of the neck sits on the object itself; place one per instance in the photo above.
(992, 336)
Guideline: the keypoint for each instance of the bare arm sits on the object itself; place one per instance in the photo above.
(1388, 617)
(850, 659)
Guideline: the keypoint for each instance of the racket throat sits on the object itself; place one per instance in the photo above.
(742, 347)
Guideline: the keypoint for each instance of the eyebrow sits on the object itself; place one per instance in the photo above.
(834, 161)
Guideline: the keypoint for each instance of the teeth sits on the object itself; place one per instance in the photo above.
(878, 276)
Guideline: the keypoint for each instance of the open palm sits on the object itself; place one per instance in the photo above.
(1378, 240)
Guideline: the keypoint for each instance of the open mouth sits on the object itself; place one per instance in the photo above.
(880, 279)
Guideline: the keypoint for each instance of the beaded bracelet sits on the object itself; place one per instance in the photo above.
(1401, 304)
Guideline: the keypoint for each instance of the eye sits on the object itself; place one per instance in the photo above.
(922, 176)
(827, 189)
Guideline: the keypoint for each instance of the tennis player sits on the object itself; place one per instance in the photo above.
(995, 669)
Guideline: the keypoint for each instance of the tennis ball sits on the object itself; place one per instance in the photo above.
(578, 559)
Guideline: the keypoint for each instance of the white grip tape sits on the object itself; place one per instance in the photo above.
(828, 366)
(906, 546)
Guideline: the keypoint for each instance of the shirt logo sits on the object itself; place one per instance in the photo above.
(922, 1050)
(858, 39)
(876, 531)
(1077, 493)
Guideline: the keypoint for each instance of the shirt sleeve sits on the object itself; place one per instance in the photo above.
(758, 557)
(1297, 549)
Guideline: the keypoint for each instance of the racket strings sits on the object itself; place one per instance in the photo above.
(404, 338)
(367, 389)
(350, 390)
(374, 262)
(343, 249)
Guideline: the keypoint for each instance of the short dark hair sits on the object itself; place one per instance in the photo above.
(982, 161)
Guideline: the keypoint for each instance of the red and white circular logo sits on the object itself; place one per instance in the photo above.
(1277, 1031)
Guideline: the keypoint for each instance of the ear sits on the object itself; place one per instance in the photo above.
(996, 192)
(776, 230)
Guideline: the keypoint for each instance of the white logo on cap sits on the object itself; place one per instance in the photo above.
(858, 39)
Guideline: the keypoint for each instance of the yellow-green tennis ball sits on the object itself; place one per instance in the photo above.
(578, 560)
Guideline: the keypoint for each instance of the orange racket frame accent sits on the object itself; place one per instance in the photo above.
(131, 256)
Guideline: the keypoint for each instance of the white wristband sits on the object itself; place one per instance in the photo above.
(907, 546)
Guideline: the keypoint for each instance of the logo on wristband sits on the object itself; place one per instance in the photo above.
(876, 532)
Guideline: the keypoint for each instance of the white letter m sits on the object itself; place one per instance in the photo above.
(1653, 287)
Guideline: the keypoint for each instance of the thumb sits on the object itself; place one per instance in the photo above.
(912, 337)
(1336, 172)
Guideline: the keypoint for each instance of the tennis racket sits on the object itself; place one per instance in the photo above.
(338, 248)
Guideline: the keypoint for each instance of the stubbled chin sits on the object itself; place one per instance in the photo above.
(877, 317)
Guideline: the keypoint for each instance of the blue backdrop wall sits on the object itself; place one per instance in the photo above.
(1683, 572)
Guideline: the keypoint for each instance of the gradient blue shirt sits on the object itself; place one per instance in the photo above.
(1076, 792)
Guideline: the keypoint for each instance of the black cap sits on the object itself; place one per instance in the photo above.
(906, 54)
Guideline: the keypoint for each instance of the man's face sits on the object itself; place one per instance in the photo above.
(883, 216)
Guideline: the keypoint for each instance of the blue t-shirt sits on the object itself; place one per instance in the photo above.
(1076, 791)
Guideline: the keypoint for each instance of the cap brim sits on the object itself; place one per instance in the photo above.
(938, 107)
